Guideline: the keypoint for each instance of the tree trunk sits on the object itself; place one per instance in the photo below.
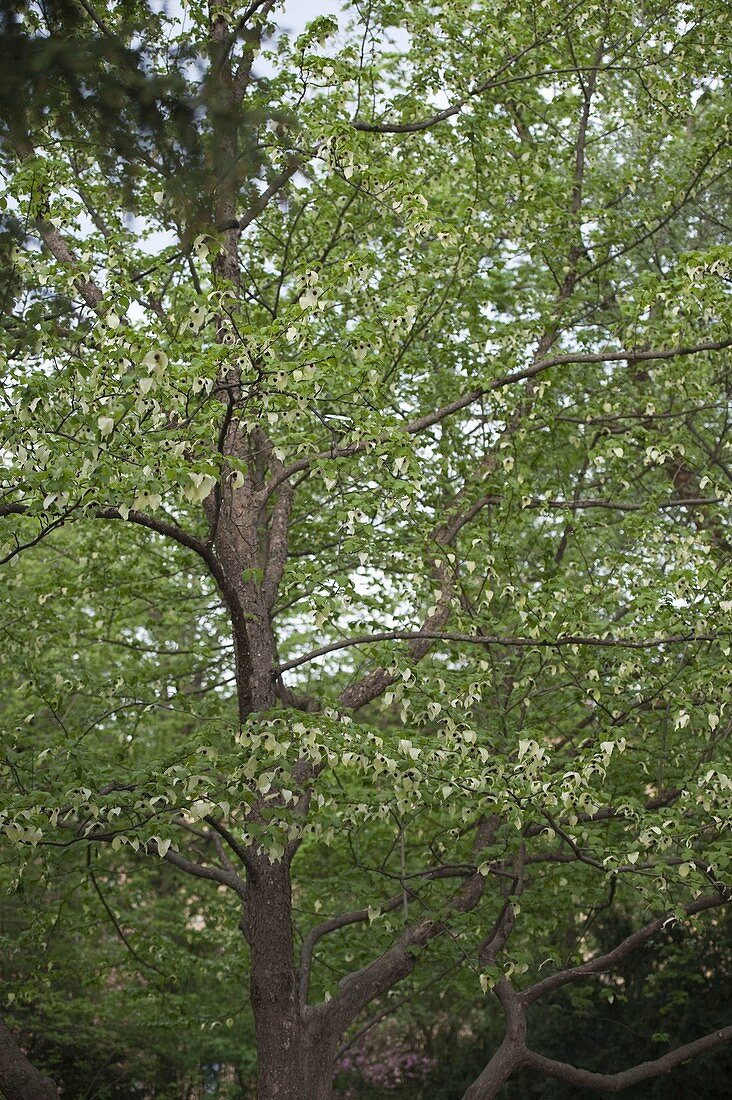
(274, 992)
(318, 1074)
(19, 1079)
(322, 1039)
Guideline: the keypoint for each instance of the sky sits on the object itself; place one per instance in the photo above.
(296, 13)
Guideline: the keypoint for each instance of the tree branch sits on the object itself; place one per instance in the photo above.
(259, 204)
(616, 1082)
(360, 988)
(120, 931)
(420, 424)
(607, 961)
(315, 934)
(607, 642)
(231, 840)
(359, 916)
(161, 527)
(199, 870)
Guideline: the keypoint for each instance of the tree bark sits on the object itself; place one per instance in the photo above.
(321, 1042)
(510, 1055)
(502, 1065)
(19, 1078)
(273, 983)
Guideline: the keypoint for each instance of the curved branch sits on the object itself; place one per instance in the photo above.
(607, 961)
(161, 527)
(21, 546)
(615, 1082)
(359, 988)
(199, 870)
(120, 931)
(359, 916)
(315, 934)
(259, 204)
(488, 85)
(513, 1054)
(231, 840)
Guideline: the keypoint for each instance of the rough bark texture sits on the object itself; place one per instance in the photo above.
(274, 994)
(320, 1048)
(616, 1082)
(19, 1079)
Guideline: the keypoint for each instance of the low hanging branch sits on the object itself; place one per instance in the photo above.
(514, 1053)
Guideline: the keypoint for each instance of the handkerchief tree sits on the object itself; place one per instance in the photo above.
(365, 494)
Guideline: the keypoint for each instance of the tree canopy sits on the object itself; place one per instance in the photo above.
(364, 521)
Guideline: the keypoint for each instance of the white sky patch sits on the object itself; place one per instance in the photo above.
(295, 14)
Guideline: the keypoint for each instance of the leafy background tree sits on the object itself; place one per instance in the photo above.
(364, 515)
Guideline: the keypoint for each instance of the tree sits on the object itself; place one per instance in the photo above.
(365, 416)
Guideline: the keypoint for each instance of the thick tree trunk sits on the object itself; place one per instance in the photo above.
(321, 1042)
(274, 993)
(318, 1075)
(19, 1079)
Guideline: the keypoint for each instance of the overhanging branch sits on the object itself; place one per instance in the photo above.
(607, 642)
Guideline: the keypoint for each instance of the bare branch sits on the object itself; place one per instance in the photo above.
(153, 523)
(120, 931)
(359, 916)
(605, 962)
(616, 1082)
(493, 81)
(200, 870)
(315, 934)
(489, 85)
(58, 247)
(360, 988)
(259, 204)
(499, 934)
(231, 840)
